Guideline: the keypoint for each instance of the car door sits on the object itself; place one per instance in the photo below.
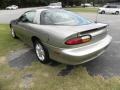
(22, 26)
(113, 9)
(108, 9)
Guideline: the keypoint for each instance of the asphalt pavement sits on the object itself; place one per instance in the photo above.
(7, 15)
(106, 65)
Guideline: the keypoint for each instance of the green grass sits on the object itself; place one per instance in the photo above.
(44, 77)
(80, 9)
(7, 43)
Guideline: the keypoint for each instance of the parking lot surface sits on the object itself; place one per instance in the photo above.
(7, 15)
(106, 65)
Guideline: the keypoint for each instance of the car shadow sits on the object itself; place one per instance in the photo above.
(20, 60)
(23, 58)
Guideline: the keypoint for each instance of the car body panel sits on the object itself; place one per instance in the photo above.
(59, 34)
(109, 10)
(74, 56)
(25, 32)
(53, 37)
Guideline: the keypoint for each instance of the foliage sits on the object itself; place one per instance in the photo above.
(79, 9)
(28, 3)
(7, 43)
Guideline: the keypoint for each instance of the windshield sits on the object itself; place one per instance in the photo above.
(62, 17)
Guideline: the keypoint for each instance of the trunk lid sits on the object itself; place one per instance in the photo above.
(59, 34)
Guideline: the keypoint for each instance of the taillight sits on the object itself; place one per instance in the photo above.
(78, 40)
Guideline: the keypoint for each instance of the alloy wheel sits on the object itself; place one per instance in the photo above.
(40, 52)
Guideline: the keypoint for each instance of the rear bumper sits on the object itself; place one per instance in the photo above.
(80, 55)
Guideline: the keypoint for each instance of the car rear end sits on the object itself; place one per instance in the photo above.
(73, 39)
(87, 43)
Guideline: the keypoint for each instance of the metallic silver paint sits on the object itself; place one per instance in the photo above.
(53, 38)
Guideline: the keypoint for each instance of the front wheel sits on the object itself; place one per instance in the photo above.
(102, 12)
(41, 52)
(13, 33)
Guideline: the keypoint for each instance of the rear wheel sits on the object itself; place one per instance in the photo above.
(41, 52)
(117, 12)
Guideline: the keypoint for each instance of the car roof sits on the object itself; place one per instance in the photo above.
(113, 5)
(49, 9)
(40, 10)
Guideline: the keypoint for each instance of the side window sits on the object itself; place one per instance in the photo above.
(28, 17)
(22, 18)
(111, 7)
(108, 7)
(46, 18)
(114, 6)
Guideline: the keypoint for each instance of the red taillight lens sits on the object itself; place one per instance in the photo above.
(78, 40)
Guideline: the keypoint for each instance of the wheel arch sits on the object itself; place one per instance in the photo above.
(10, 25)
(34, 38)
(118, 11)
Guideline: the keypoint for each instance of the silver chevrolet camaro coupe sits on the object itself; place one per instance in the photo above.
(61, 35)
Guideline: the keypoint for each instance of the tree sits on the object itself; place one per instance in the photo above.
(29, 3)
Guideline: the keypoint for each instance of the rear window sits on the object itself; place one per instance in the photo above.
(62, 17)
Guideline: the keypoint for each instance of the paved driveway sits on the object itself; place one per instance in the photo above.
(7, 15)
(107, 65)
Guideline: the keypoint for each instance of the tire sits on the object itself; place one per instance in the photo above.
(117, 12)
(41, 52)
(13, 34)
(102, 12)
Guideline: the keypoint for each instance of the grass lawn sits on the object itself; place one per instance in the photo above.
(80, 9)
(7, 43)
(44, 77)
